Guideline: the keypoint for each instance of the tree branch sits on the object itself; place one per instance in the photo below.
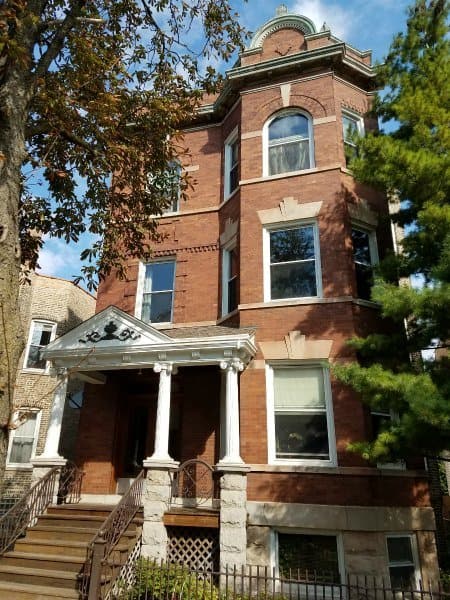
(57, 42)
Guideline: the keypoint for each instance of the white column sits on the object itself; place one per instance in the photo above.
(161, 451)
(56, 416)
(230, 420)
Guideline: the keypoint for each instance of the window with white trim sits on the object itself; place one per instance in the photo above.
(231, 164)
(41, 334)
(155, 293)
(352, 127)
(365, 257)
(167, 184)
(300, 416)
(229, 279)
(23, 439)
(292, 262)
(288, 140)
(403, 561)
(308, 557)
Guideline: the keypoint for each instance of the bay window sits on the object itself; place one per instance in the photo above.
(41, 334)
(365, 257)
(288, 140)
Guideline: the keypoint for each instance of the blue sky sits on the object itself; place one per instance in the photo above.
(365, 24)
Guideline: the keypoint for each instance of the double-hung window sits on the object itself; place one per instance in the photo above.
(166, 185)
(229, 280)
(289, 143)
(231, 161)
(41, 334)
(294, 266)
(403, 561)
(300, 415)
(365, 257)
(155, 294)
(352, 126)
(23, 439)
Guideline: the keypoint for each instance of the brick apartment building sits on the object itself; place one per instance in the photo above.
(220, 348)
(49, 307)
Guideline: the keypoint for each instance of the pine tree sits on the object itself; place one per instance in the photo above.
(412, 164)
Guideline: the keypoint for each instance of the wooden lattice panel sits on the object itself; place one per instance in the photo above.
(195, 547)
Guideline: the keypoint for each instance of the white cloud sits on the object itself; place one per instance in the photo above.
(59, 259)
(339, 17)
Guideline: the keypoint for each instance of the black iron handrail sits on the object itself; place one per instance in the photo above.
(194, 481)
(102, 545)
(25, 512)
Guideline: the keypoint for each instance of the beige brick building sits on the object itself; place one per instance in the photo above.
(49, 307)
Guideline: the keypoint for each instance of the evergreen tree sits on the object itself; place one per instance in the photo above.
(412, 164)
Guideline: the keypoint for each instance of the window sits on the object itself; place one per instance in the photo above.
(41, 334)
(300, 415)
(381, 419)
(309, 557)
(365, 256)
(231, 181)
(156, 292)
(293, 263)
(352, 126)
(402, 556)
(229, 280)
(23, 439)
(289, 144)
(167, 185)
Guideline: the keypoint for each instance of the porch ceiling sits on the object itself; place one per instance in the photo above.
(113, 339)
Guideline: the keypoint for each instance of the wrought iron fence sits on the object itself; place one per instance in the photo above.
(25, 512)
(194, 483)
(105, 561)
(151, 580)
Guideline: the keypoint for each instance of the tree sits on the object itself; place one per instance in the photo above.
(411, 163)
(94, 90)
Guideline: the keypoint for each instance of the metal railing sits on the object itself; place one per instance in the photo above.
(103, 563)
(152, 580)
(25, 512)
(194, 481)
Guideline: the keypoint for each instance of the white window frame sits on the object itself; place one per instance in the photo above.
(12, 435)
(270, 402)
(169, 210)
(373, 247)
(226, 250)
(414, 551)
(359, 122)
(33, 323)
(398, 465)
(267, 230)
(232, 139)
(274, 554)
(265, 136)
(140, 289)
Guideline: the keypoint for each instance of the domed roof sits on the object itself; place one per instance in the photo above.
(282, 20)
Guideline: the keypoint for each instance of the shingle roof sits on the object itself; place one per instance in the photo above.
(207, 331)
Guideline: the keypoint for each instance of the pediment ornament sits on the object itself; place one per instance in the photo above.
(110, 332)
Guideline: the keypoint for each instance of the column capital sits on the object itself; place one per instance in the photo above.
(168, 367)
(235, 364)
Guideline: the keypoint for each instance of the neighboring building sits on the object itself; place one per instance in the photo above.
(262, 277)
(49, 307)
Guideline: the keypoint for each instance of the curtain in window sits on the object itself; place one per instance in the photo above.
(22, 443)
(290, 156)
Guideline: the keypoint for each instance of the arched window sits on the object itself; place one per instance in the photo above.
(289, 143)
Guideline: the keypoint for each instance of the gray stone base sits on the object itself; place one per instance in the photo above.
(156, 496)
(233, 519)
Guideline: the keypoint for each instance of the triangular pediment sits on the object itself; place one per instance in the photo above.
(111, 328)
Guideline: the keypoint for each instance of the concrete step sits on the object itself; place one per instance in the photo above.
(24, 591)
(43, 561)
(43, 577)
(50, 546)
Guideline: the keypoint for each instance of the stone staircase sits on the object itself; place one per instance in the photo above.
(47, 562)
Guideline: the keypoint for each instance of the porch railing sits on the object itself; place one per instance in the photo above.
(152, 580)
(103, 564)
(193, 483)
(25, 512)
